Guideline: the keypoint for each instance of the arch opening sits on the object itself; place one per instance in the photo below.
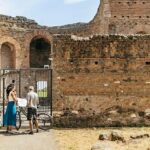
(40, 49)
(112, 29)
(8, 56)
(141, 32)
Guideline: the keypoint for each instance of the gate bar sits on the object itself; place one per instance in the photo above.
(3, 97)
(51, 71)
(20, 83)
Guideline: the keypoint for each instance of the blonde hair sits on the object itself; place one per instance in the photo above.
(31, 88)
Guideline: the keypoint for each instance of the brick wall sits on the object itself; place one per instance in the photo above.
(122, 17)
(104, 79)
(98, 72)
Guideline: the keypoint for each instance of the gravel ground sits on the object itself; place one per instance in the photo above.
(84, 139)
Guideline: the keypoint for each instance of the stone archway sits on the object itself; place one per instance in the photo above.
(112, 29)
(141, 32)
(7, 56)
(40, 50)
(140, 29)
(32, 38)
(9, 44)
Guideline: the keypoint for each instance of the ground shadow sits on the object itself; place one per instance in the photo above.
(17, 133)
(14, 133)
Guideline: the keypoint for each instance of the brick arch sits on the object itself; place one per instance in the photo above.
(140, 29)
(41, 34)
(16, 46)
(35, 35)
(141, 32)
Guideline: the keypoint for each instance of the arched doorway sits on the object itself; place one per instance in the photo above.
(7, 56)
(40, 50)
(141, 32)
(112, 28)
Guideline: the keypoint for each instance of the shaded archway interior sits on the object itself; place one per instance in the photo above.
(40, 49)
(7, 56)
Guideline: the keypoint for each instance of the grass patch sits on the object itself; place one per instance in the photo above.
(42, 93)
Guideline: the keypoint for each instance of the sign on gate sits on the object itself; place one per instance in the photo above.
(22, 102)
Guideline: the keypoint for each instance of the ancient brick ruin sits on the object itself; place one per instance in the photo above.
(122, 17)
(95, 69)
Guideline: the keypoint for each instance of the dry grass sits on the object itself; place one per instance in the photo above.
(83, 139)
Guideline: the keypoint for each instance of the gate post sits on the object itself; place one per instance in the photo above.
(51, 91)
(3, 96)
(19, 82)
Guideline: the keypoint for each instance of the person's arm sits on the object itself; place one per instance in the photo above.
(27, 97)
(15, 93)
(14, 96)
(6, 101)
(38, 100)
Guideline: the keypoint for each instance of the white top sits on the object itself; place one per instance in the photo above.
(32, 100)
(10, 98)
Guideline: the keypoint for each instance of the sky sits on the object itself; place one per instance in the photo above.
(51, 12)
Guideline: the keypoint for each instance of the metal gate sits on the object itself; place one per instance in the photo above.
(41, 79)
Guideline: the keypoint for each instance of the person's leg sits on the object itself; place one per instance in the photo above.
(10, 128)
(36, 125)
(35, 119)
(29, 117)
(7, 130)
(31, 125)
(11, 118)
(6, 118)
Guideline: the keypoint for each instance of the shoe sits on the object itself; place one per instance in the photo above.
(31, 132)
(7, 131)
(10, 132)
(37, 130)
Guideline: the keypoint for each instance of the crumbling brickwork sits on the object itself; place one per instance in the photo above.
(95, 69)
(95, 74)
(113, 17)
(122, 17)
(19, 32)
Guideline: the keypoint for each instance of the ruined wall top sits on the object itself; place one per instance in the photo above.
(22, 23)
(122, 17)
(121, 9)
(17, 22)
(130, 8)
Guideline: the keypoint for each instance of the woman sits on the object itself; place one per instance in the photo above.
(10, 115)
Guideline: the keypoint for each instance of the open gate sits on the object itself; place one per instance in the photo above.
(40, 78)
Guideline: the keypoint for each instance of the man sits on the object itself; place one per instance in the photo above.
(32, 102)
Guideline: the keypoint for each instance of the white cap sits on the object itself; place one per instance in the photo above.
(31, 88)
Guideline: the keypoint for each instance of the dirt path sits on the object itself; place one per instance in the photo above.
(23, 141)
